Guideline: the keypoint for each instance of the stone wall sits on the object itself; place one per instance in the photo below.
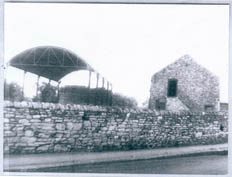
(44, 127)
(196, 86)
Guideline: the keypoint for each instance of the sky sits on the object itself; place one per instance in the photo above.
(125, 43)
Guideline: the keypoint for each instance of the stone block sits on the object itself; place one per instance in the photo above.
(17, 116)
(29, 133)
(8, 127)
(9, 115)
(6, 149)
(47, 120)
(111, 128)
(12, 139)
(60, 148)
(69, 125)
(9, 133)
(71, 140)
(58, 120)
(45, 105)
(36, 105)
(59, 135)
(47, 126)
(87, 123)
(104, 128)
(6, 120)
(43, 135)
(43, 140)
(198, 134)
(28, 139)
(24, 121)
(159, 117)
(28, 149)
(20, 144)
(94, 123)
(36, 116)
(35, 120)
(20, 133)
(60, 126)
(43, 148)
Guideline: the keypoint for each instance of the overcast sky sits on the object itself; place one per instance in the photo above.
(127, 44)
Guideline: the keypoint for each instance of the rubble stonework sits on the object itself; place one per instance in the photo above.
(45, 127)
(197, 88)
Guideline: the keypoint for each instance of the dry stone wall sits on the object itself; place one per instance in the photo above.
(44, 127)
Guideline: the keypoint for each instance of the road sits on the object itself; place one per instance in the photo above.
(207, 164)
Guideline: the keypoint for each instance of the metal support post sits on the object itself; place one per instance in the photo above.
(89, 79)
(58, 91)
(111, 95)
(107, 93)
(24, 82)
(37, 86)
(103, 82)
(97, 80)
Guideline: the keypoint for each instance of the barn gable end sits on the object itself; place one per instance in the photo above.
(184, 85)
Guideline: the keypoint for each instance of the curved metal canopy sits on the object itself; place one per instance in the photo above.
(49, 61)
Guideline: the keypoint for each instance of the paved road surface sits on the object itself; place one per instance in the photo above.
(22, 162)
(208, 164)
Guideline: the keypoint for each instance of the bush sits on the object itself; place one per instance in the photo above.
(94, 96)
(13, 92)
(47, 93)
(123, 101)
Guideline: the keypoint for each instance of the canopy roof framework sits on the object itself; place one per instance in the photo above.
(53, 63)
(49, 62)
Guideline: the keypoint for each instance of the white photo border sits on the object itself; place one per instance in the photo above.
(174, 2)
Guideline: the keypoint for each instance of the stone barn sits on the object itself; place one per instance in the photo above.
(184, 86)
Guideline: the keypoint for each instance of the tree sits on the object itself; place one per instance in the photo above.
(47, 93)
(145, 104)
(123, 101)
(13, 92)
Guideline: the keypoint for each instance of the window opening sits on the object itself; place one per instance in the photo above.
(209, 108)
(172, 88)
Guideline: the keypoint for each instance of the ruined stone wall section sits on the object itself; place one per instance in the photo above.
(45, 127)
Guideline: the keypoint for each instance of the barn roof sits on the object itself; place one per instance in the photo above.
(185, 60)
(49, 61)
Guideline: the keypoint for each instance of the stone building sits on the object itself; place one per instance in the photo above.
(184, 86)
